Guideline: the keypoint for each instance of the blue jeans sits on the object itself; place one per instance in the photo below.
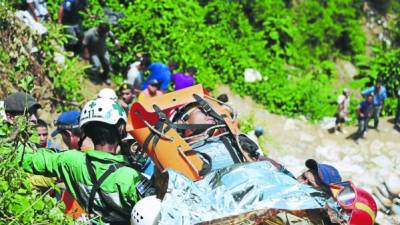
(397, 117)
(362, 127)
(376, 112)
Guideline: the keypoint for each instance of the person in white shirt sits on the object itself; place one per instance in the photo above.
(342, 109)
(38, 9)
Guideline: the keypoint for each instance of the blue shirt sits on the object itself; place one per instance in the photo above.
(378, 97)
(365, 108)
(160, 72)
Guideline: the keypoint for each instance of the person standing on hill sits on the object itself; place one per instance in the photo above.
(379, 96)
(95, 50)
(38, 9)
(363, 113)
(342, 109)
(69, 15)
(184, 80)
(397, 117)
(161, 73)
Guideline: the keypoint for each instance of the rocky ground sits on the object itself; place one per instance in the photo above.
(292, 141)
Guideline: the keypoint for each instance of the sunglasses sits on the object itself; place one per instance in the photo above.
(345, 194)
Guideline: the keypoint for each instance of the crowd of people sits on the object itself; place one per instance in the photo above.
(98, 170)
(99, 176)
(369, 108)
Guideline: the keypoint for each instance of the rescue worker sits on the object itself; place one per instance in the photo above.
(67, 125)
(20, 103)
(95, 50)
(99, 179)
(127, 96)
(107, 93)
(319, 175)
(152, 90)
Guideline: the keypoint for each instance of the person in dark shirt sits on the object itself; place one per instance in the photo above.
(364, 111)
(69, 14)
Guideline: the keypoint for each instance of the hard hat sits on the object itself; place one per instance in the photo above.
(365, 209)
(107, 93)
(358, 202)
(146, 211)
(102, 110)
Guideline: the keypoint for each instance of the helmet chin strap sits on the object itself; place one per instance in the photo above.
(78, 142)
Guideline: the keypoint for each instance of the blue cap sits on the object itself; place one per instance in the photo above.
(154, 82)
(66, 121)
(327, 173)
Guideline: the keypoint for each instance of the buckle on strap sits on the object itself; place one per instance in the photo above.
(202, 103)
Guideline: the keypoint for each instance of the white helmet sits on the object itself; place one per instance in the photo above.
(107, 93)
(146, 211)
(102, 110)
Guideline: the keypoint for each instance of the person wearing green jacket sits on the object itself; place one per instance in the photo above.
(101, 180)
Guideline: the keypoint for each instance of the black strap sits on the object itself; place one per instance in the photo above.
(192, 126)
(234, 154)
(97, 183)
(203, 104)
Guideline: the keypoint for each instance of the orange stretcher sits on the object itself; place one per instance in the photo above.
(170, 150)
(72, 207)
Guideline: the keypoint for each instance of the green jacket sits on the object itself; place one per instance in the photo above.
(70, 166)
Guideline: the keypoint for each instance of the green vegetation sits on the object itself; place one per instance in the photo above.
(55, 81)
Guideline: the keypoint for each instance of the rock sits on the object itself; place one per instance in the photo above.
(329, 150)
(393, 183)
(376, 146)
(303, 118)
(304, 137)
(327, 123)
(290, 124)
(252, 75)
(383, 162)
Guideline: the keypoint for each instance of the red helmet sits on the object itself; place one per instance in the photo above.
(364, 210)
(357, 201)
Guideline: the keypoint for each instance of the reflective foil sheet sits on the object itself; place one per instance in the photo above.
(253, 190)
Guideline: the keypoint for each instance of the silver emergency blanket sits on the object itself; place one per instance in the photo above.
(233, 190)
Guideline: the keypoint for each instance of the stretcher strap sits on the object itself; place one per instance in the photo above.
(234, 154)
(96, 187)
(203, 104)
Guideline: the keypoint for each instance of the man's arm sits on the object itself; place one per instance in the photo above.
(60, 13)
(85, 43)
(367, 91)
(114, 39)
(31, 8)
(358, 110)
(44, 161)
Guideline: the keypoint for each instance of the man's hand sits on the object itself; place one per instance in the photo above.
(117, 44)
